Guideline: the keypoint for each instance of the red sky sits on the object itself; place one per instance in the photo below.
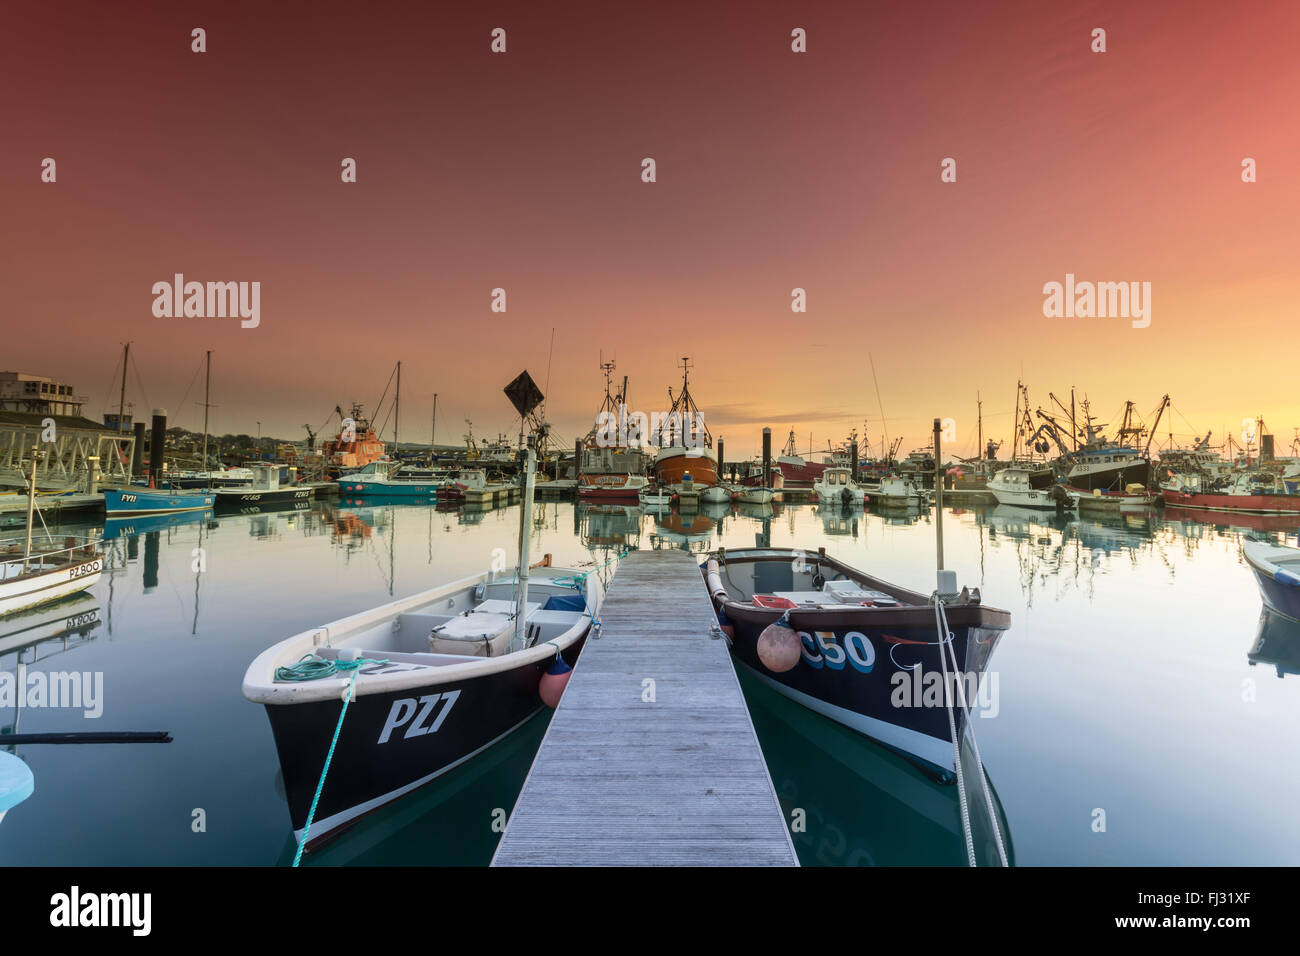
(776, 170)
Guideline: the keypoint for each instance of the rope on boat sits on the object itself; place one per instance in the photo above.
(945, 641)
(580, 579)
(313, 668)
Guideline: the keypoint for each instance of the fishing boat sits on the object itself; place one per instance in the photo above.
(799, 473)
(32, 576)
(379, 478)
(897, 491)
(1133, 498)
(1027, 487)
(611, 486)
(356, 444)
(686, 454)
(717, 494)
(142, 501)
(386, 700)
(756, 496)
(837, 487)
(37, 575)
(264, 490)
(449, 680)
(654, 495)
(1277, 570)
(612, 462)
(1251, 492)
(867, 648)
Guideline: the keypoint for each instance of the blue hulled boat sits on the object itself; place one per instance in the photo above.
(381, 478)
(1277, 569)
(141, 501)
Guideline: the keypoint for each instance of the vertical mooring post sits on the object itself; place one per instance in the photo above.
(720, 459)
(767, 458)
(157, 445)
(938, 496)
(137, 452)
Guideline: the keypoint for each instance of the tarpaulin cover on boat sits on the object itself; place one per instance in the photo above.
(565, 602)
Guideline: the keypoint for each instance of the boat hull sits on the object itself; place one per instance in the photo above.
(1243, 504)
(36, 588)
(362, 487)
(153, 501)
(610, 487)
(673, 465)
(849, 675)
(240, 500)
(875, 670)
(371, 768)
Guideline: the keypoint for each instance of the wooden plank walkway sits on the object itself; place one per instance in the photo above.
(679, 781)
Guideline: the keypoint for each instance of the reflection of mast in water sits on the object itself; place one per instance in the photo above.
(199, 561)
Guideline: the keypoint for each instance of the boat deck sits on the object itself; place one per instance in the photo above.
(676, 781)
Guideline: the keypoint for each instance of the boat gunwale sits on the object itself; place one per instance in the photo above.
(259, 684)
(915, 604)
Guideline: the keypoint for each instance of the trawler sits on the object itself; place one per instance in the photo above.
(612, 465)
(356, 446)
(686, 460)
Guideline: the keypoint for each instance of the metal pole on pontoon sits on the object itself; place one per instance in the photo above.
(525, 511)
(938, 495)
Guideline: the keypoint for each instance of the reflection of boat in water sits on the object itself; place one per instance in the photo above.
(864, 805)
(691, 531)
(143, 524)
(64, 620)
(1277, 643)
(607, 525)
(839, 521)
(1240, 520)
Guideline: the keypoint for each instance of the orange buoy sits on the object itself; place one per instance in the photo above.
(779, 647)
(551, 687)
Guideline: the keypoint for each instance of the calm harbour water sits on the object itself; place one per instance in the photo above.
(1125, 685)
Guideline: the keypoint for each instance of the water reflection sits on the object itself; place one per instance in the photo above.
(1277, 643)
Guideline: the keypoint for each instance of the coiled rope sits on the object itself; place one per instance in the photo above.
(315, 668)
(945, 642)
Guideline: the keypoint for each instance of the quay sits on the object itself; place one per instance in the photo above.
(650, 758)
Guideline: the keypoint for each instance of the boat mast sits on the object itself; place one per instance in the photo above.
(31, 506)
(207, 394)
(121, 400)
(397, 405)
(433, 430)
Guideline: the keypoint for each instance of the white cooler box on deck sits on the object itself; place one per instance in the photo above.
(483, 632)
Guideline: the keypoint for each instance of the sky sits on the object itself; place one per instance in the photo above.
(775, 170)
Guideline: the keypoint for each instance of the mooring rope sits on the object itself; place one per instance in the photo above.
(314, 668)
(956, 741)
(941, 617)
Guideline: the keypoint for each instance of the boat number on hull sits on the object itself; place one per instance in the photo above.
(83, 569)
(407, 710)
(130, 498)
(823, 651)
